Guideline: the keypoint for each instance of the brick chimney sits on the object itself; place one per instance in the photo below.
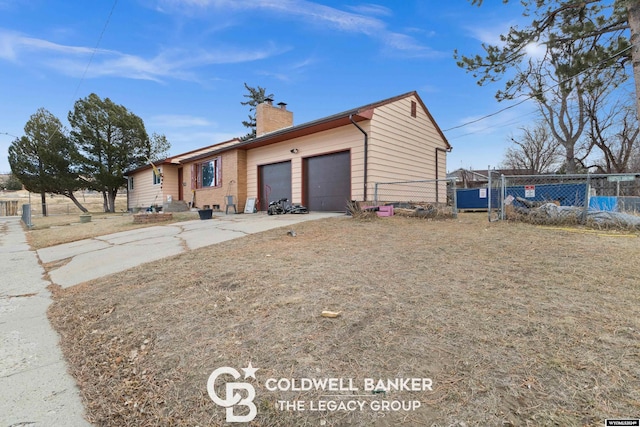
(270, 119)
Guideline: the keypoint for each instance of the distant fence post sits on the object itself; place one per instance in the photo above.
(455, 198)
(503, 196)
(26, 215)
(489, 193)
(375, 194)
(586, 199)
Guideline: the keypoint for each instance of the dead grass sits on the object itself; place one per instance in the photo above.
(55, 230)
(517, 325)
(60, 205)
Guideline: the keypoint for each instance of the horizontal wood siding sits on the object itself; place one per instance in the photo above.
(330, 141)
(145, 193)
(402, 147)
(169, 183)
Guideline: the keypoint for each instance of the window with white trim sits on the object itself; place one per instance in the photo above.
(157, 177)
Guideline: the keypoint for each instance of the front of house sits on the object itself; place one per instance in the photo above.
(321, 164)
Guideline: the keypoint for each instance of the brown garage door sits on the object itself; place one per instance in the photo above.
(275, 182)
(327, 182)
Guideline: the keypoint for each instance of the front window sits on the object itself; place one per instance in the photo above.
(209, 173)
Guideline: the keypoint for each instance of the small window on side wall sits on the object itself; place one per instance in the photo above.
(414, 108)
(130, 183)
(157, 176)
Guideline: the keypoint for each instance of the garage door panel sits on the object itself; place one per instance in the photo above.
(328, 181)
(275, 182)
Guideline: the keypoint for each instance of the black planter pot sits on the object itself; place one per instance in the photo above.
(205, 213)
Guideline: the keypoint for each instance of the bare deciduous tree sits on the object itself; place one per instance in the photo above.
(613, 129)
(536, 151)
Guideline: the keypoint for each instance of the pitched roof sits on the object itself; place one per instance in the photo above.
(358, 114)
(174, 160)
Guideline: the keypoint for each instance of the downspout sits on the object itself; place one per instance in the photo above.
(448, 150)
(366, 151)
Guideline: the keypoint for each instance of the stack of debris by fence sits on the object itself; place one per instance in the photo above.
(434, 198)
(605, 201)
(553, 213)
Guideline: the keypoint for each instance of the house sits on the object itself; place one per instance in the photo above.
(321, 164)
(148, 187)
(467, 178)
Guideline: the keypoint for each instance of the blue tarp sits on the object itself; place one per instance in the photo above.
(603, 203)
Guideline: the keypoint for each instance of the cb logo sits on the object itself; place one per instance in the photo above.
(233, 399)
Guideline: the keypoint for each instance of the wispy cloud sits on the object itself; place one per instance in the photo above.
(490, 35)
(180, 121)
(363, 19)
(167, 64)
(288, 72)
(487, 35)
(371, 9)
(13, 44)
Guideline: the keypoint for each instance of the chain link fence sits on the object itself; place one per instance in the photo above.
(570, 198)
(432, 197)
(494, 196)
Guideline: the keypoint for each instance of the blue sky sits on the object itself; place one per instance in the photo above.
(180, 64)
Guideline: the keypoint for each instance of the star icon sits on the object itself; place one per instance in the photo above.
(249, 371)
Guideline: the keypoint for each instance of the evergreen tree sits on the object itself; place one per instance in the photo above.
(45, 160)
(611, 29)
(256, 96)
(111, 140)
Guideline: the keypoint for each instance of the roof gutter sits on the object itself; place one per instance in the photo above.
(366, 151)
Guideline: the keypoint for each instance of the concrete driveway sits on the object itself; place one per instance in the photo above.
(35, 387)
(73, 263)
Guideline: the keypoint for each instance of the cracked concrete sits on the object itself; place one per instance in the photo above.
(98, 257)
(35, 387)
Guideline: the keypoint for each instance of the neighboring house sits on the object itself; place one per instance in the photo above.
(467, 178)
(321, 164)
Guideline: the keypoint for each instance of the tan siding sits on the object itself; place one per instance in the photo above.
(241, 180)
(340, 139)
(403, 148)
(169, 183)
(144, 193)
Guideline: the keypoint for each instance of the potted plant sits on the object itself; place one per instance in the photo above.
(206, 212)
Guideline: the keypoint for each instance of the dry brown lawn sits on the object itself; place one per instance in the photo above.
(60, 205)
(58, 229)
(515, 324)
(63, 223)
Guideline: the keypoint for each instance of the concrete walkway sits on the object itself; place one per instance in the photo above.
(35, 387)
